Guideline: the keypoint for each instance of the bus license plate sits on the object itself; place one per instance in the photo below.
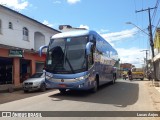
(62, 85)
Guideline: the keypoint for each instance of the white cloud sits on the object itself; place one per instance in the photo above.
(125, 55)
(116, 36)
(45, 22)
(15, 4)
(103, 31)
(73, 1)
(131, 55)
(84, 26)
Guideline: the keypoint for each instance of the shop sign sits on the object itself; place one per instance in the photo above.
(15, 53)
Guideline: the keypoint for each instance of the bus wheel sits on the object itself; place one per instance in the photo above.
(94, 90)
(114, 80)
(62, 91)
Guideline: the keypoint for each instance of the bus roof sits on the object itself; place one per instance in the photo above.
(73, 33)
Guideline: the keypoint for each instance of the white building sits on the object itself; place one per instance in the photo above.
(20, 39)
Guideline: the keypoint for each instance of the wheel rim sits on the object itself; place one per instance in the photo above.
(43, 88)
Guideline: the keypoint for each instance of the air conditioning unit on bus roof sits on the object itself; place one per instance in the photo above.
(69, 28)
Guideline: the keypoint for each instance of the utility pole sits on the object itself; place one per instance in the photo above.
(146, 59)
(150, 37)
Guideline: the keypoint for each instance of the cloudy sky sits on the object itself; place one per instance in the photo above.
(107, 17)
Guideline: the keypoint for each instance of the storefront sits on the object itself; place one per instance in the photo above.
(156, 60)
(17, 65)
(39, 66)
(6, 76)
(157, 69)
(25, 69)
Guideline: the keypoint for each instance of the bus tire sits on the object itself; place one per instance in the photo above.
(95, 89)
(114, 79)
(62, 91)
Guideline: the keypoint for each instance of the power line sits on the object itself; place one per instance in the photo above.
(154, 16)
(155, 11)
(151, 37)
(136, 18)
(156, 26)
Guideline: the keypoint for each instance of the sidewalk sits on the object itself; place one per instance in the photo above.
(155, 84)
(10, 88)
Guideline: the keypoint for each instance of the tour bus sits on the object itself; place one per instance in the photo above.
(79, 60)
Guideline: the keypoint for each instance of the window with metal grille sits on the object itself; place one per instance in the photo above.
(25, 34)
(10, 26)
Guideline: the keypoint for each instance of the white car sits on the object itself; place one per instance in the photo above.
(35, 82)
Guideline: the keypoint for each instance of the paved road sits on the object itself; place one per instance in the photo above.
(17, 95)
(122, 96)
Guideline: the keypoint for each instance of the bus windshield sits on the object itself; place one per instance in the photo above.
(67, 55)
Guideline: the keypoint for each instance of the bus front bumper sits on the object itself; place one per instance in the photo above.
(78, 85)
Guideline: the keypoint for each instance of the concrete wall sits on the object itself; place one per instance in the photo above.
(14, 37)
(39, 34)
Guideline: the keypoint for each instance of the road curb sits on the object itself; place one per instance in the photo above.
(155, 84)
(10, 88)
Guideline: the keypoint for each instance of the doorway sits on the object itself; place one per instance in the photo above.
(39, 66)
(6, 70)
(25, 69)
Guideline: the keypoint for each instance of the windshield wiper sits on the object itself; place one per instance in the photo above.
(57, 63)
(67, 59)
(69, 64)
(60, 60)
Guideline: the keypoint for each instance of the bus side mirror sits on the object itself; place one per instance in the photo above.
(41, 48)
(88, 48)
(90, 37)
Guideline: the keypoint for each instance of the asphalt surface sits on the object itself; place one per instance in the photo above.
(17, 95)
(122, 96)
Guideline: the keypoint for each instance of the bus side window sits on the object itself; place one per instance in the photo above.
(91, 57)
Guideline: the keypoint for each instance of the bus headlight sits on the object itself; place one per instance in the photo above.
(48, 77)
(82, 77)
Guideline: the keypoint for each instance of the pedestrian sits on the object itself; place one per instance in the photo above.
(149, 75)
(129, 74)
